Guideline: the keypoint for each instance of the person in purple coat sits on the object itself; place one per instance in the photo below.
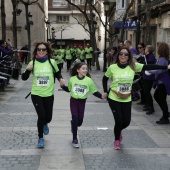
(148, 81)
(162, 82)
(3, 51)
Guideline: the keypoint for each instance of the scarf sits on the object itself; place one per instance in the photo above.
(41, 59)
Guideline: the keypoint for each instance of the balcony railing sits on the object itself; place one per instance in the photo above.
(157, 2)
(154, 3)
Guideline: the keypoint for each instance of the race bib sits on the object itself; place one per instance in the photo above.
(124, 87)
(79, 89)
(43, 81)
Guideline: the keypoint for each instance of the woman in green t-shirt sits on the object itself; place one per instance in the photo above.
(43, 69)
(122, 73)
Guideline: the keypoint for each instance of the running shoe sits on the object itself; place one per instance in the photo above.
(75, 143)
(117, 145)
(40, 143)
(46, 129)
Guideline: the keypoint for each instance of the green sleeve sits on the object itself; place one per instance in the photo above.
(108, 72)
(55, 65)
(93, 87)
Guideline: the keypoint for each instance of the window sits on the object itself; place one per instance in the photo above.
(62, 18)
(60, 3)
(123, 4)
(82, 2)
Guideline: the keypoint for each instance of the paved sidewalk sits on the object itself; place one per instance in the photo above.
(145, 146)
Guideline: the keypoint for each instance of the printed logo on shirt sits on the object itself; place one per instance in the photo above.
(79, 89)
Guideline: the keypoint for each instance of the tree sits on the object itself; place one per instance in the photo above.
(3, 19)
(87, 12)
(124, 20)
(148, 18)
(26, 4)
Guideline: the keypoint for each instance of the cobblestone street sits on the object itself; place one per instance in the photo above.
(145, 146)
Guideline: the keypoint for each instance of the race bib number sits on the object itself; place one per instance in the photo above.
(43, 81)
(124, 87)
(79, 89)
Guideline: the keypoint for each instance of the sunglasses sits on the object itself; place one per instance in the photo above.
(140, 47)
(125, 54)
(41, 49)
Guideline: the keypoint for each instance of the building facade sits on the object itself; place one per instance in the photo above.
(159, 21)
(39, 12)
(68, 25)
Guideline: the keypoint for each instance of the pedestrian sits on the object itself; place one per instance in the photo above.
(79, 86)
(141, 59)
(3, 51)
(119, 97)
(9, 44)
(59, 60)
(162, 82)
(69, 57)
(44, 70)
(89, 55)
(134, 52)
(148, 81)
(24, 51)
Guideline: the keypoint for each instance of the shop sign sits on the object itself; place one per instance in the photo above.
(128, 24)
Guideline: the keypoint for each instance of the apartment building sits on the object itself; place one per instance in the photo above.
(159, 21)
(68, 25)
(39, 12)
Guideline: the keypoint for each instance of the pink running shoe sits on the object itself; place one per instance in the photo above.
(121, 137)
(117, 145)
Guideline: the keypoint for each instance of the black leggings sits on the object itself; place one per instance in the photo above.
(122, 115)
(68, 64)
(147, 92)
(44, 109)
(89, 63)
(160, 96)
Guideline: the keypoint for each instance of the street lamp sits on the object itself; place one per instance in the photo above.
(48, 27)
(53, 32)
(106, 10)
(30, 22)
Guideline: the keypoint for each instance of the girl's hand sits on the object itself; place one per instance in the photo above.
(30, 67)
(104, 96)
(62, 82)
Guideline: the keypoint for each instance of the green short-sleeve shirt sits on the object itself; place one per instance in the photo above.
(122, 80)
(79, 89)
(43, 78)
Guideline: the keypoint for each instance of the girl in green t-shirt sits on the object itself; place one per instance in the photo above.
(43, 70)
(79, 86)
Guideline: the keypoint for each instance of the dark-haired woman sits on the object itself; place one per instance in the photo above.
(141, 59)
(43, 68)
(162, 82)
(119, 97)
(79, 86)
(148, 81)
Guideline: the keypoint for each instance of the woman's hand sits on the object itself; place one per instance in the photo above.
(169, 66)
(62, 82)
(30, 67)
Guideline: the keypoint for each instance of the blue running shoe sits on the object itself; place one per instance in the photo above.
(40, 143)
(46, 129)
